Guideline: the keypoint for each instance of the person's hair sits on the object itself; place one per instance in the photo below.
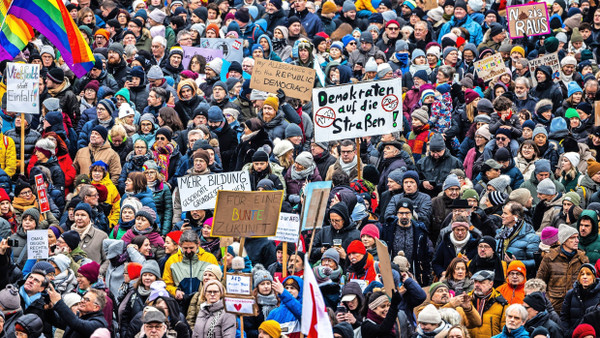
(127, 15)
(525, 112)
(524, 63)
(214, 7)
(138, 180)
(86, 190)
(591, 82)
(45, 280)
(450, 316)
(195, 132)
(519, 308)
(189, 236)
(171, 119)
(284, 161)
(221, 289)
(81, 15)
(346, 143)
(397, 135)
(447, 71)
(422, 23)
(523, 80)
(117, 130)
(182, 33)
(130, 51)
(377, 292)
(470, 110)
(516, 209)
(100, 297)
(160, 93)
(201, 60)
(535, 284)
(502, 103)
(108, 4)
(339, 177)
(161, 40)
(531, 143)
(462, 329)
(452, 267)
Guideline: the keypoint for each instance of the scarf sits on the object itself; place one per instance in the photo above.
(55, 91)
(268, 303)
(247, 137)
(347, 167)
(210, 246)
(162, 157)
(481, 300)
(12, 220)
(152, 185)
(213, 324)
(144, 232)
(304, 174)
(28, 299)
(81, 232)
(105, 123)
(569, 255)
(371, 315)
(459, 245)
(418, 139)
(566, 79)
(126, 225)
(129, 129)
(143, 292)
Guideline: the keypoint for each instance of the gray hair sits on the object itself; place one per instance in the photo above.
(196, 132)
(86, 190)
(182, 33)
(520, 309)
(447, 71)
(535, 284)
(130, 50)
(524, 81)
(189, 236)
(524, 62)
(161, 40)
(450, 316)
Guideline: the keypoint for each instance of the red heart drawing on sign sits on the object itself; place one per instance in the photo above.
(237, 307)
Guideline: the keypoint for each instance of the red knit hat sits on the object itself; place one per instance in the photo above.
(90, 271)
(357, 247)
(370, 230)
(3, 195)
(133, 270)
(583, 330)
(175, 235)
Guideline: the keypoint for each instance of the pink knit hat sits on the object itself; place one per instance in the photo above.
(549, 236)
(371, 230)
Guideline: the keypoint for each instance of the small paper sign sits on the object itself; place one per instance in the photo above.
(243, 306)
(528, 20)
(41, 191)
(239, 284)
(37, 244)
(288, 229)
(22, 88)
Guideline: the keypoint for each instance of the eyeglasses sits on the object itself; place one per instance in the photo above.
(212, 292)
(161, 138)
(153, 326)
(26, 193)
(502, 139)
(393, 28)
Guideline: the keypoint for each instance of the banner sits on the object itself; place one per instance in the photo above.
(550, 60)
(232, 49)
(209, 54)
(357, 110)
(528, 20)
(490, 68)
(288, 229)
(37, 244)
(247, 213)
(200, 191)
(42, 195)
(296, 81)
(22, 88)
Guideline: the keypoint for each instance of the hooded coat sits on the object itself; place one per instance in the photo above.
(290, 309)
(326, 236)
(547, 89)
(590, 243)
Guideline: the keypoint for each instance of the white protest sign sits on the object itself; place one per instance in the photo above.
(233, 49)
(239, 284)
(550, 60)
(37, 244)
(288, 229)
(357, 110)
(208, 54)
(240, 306)
(200, 191)
(22, 88)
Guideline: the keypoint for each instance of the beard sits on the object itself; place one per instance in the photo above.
(113, 61)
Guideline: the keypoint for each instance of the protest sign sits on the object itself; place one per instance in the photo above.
(37, 244)
(41, 191)
(288, 229)
(232, 49)
(597, 113)
(385, 267)
(312, 205)
(247, 213)
(200, 191)
(243, 306)
(429, 4)
(490, 68)
(550, 60)
(22, 88)
(357, 110)
(239, 284)
(296, 81)
(208, 54)
(527, 20)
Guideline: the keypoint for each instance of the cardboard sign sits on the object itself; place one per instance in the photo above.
(239, 284)
(200, 191)
(550, 60)
(41, 191)
(232, 49)
(385, 267)
(357, 110)
(247, 213)
(296, 81)
(243, 306)
(429, 4)
(22, 88)
(491, 67)
(528, 20)
(209, 54)
(317, 196)
(37, 244)
(288, 229)
(597, 113)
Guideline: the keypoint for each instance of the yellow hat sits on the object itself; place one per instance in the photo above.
(519, 50)
(272, 101)
(271, 327)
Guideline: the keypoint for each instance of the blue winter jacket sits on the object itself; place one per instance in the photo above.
(523, 245)
(518, 333)
(84, 134)
(145, 198)
(516, 177)
(467, 22)
(291, 308)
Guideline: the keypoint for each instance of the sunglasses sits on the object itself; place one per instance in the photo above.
(501, 139)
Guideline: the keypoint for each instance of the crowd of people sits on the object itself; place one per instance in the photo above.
(487, 200)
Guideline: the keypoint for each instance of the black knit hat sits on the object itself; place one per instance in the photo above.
(536, 301)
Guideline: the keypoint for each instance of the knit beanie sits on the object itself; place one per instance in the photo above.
(573, 157)
(520, 196)
(151, 266)
(433, 288)
(85, 207)
(332, 254)
(430, 313)
(271, 327)
(147, 213)
(213, 282)
(10, 299)
(565, 232)
(134, 270)
(407, 174)
(90, 271)
(497, 198)
(175, 235)
(583, 330)
(500, 183)
(273, 102)
(549, 235)
(166, 132)
(72, 238)
(34, 213)
(260, 274)
(451, 181)
(437, 143)
(202, 154)
(593, 167)
(421, 115)
(470, 193)
(370, 230)
(543, 166)
(293, 130)
(536, 301)
(101, 131)
(357, 247)
(546, 187)
(572, 197)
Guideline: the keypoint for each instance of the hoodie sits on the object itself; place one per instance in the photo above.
(590, 243)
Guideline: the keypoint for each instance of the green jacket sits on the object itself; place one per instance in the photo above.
(591, 243)
(531, 185)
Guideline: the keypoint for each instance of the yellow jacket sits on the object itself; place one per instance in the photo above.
(113, 198)
(364, 4)
(493, 317)
(8, 155)
(184, 274)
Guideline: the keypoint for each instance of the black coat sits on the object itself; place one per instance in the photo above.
(119, 71)
(246, 149)
(58, 176)
(261, 250)
(445, 252)
(327, 234)
(75, 326)
(576, 302)
(548, 89)
(228, 143)
(542, 319)
(185, 109)
(323, 162)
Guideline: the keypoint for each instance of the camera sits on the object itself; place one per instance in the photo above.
(12, 242)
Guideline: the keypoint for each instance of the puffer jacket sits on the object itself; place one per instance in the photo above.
(493, 317)
(521, 332)
(56, 173)
(587, 187)
(164, 204)
(467, 22)
(418, 198)
(276, 127)
(224, 327)
(132, 164)
(31, 137)
(8, 155)
(559, 273)
(113, 198)
(577, 301)
(525, 167)
(591, 243)
(516, 177)
(437, 170)
(522, 244)
(290, 309)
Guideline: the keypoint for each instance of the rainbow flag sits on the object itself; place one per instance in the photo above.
(14, 34)
(51, 18)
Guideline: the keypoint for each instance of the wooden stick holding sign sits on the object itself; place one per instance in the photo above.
(284, 248)
(597, 113)
(385, 269)
(22, 158)
(358, 166)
